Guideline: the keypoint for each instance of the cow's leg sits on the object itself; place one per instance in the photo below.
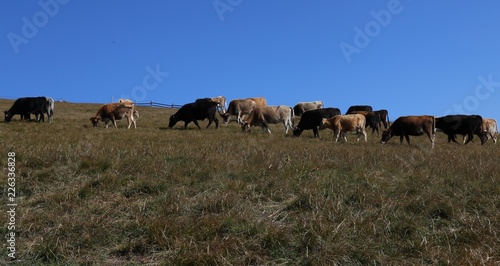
(216, 122)
(408, 139)
(196, 123)
(132, 118)
(209, 122)
(469, 138)
(337, 134)
(363, 131)
(401, 139)
(316, 133)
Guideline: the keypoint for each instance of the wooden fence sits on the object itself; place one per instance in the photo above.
(161, 105)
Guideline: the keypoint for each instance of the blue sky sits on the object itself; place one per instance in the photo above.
(409, 57)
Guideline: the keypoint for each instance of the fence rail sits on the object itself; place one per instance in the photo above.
(161, 105)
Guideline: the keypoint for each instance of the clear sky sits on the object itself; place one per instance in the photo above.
(410, 57)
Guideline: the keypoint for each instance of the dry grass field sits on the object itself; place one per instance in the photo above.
(158, 196)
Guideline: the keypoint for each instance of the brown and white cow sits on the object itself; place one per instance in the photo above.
(262, 116)
(490, 129)
(340, 124)
(113, 112)
(240, 107)
(302, 107)
(406, 126)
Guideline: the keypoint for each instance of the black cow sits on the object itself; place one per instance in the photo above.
(353, 108)
(312, 120)
(199, 110)
(372, 119)
(31, 105)
(463, 125)
(384, 117)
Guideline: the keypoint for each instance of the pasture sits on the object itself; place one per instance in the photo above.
(158, 196)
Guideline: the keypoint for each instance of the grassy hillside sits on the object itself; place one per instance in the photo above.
(158, 196)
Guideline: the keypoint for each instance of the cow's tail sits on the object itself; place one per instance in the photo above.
(388, 121)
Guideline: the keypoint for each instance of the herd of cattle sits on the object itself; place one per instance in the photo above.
(251, 112)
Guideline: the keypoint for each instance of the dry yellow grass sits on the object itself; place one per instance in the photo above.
(158, 196)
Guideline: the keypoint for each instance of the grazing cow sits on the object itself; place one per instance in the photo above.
(343, 123)
(372, 119)
(136, 113)
(31, 105)
(490, 129)
(406, 126)
(262, 116)
(384, 117)
(238, 108)
(114, 111)
(312, 120)
(302, 107)
(462, 125)
(353, 108)
(192, 112)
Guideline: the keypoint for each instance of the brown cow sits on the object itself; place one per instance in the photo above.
(343, 123)
(113, 112)
(406, 126)
(262, 116)
(240, 107)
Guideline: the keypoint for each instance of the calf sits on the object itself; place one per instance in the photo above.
(406, 126)
(262, 116)
(344, 123)
(112, 112)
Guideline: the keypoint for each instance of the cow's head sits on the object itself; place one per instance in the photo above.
(324, 123)
(386, 135)
(225, 117)
(95, 120)
(245, 127)
(297, 131)
(8, 117)
(136, 113)
(172, 121)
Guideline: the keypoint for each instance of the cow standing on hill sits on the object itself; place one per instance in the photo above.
(340, 124)
(31, 105)
(384, 117)
(114, 111)
(240, 107)
(468, 125)
(201, 109)
(262, 116)
(312, 119)
(406, 126)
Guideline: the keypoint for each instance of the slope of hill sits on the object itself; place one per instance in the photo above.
(159, 196)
